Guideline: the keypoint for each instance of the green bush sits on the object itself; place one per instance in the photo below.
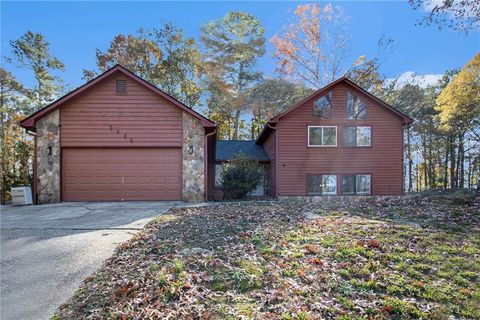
(240, 177)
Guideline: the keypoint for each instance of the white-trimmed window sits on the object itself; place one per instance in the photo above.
(322, 136)
(356, 108)
(322, 185)
(357, 136)
(359, 184)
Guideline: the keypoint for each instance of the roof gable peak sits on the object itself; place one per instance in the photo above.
(29, 122)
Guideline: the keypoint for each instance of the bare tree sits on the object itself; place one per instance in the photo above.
(314, 45)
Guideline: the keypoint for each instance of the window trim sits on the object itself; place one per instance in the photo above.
(356, 193)
(321, 175)
(322, 145)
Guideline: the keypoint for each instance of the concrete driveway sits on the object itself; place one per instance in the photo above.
(47, 250)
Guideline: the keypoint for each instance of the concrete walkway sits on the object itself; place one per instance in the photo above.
(47, 250)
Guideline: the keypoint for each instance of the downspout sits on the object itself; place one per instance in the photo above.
(206, 162)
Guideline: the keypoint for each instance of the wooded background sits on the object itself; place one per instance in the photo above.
(218, 75)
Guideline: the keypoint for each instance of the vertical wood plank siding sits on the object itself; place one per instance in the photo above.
(383, 160)
(102, 118)
(271, 149)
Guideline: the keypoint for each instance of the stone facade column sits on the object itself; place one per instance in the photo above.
(48, 158)
(193, 159)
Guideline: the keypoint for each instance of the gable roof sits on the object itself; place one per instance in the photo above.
(29, 122)
(266, 130)
(227, 149)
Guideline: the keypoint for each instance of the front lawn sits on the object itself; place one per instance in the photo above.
(391, 259)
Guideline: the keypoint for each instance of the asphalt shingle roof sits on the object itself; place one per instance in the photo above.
(227, 149)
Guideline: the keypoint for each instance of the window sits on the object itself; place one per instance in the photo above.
(356, 184)
(357, 136)
(348, 184)
(322, 136)
(356, 108)
(121, 87)
(218, 175)
(322, 185)
(363, 183)
(322, 107)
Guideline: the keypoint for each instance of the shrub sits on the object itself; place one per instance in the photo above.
(240, 177)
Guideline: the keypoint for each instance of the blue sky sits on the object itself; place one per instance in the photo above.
(75, 29)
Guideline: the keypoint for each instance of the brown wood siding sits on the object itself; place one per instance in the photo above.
(117, 174)
(271, 149)
(383, 160)
(102, 118)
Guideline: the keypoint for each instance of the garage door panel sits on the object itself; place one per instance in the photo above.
(115, 174)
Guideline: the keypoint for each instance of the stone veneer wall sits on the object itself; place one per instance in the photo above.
(193, 159)
(48, 165)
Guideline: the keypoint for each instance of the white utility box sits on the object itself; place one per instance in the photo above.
(21, 196)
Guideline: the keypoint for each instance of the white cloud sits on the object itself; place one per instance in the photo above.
(410, 77)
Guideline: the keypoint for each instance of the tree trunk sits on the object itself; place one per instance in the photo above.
(425, 168)
(445, 169)
(2, 144)
(236, 124)
(236, 120)
(410, 161)
(469, 174)
(461, 160)
(453, 184)
(418, 179)
(431, 164)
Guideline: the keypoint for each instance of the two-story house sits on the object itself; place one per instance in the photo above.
(341, 140)
(120, 138)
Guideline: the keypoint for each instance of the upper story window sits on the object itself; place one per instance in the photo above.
(322, 107)
(322, 185)
(356, 108)
(357, 136)
(322, 136)
(121, 86)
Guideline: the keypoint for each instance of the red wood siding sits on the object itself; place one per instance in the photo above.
(271, 149)
(101, 118)
(383, 160)
(101, 174)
